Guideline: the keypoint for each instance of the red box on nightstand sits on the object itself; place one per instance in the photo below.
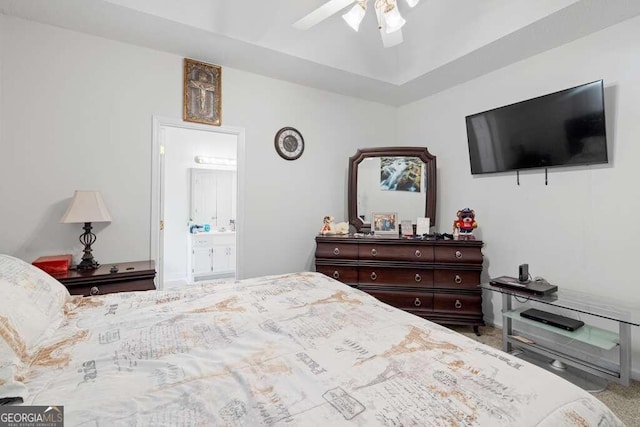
(54, 264)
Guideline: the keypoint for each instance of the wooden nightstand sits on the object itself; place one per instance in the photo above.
(131, 276)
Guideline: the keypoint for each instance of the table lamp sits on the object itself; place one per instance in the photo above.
(86, 207)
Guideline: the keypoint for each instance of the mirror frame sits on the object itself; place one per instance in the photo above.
(363, 153)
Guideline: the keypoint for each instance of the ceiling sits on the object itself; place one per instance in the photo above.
(446, 42)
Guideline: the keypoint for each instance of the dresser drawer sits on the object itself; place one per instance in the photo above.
(405, 300)
(109, 288)
(110, 278)
(459, 304)
(406, 253)
(343, 274)
(466, 255)
(337, 250)
(457, 279)
(395, 276)
(436, 280)
(201, 240)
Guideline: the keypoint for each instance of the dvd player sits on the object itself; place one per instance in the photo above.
(531, 287)
(562, 322)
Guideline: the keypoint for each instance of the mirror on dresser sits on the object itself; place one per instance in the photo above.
(391, 179)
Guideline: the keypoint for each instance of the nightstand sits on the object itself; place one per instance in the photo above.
(131, 276)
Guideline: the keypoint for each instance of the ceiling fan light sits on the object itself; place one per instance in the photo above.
(393, 20)
(354, 16)
(412, 3)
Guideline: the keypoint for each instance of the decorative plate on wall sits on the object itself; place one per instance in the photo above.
(289, 143)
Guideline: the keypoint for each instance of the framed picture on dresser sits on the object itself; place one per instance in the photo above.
(385, 223)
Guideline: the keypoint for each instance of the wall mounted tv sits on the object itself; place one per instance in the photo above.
(565, 128)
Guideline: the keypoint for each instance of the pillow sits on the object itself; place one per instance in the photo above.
(11, 387)
(31, 305)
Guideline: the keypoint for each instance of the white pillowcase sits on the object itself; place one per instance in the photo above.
(31, 309)
(31, 305)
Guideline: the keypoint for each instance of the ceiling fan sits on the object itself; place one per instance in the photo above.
(390, 21)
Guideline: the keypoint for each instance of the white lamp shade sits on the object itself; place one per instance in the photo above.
(86, 206)
(394, 20)
(412, 3)
(354, 16)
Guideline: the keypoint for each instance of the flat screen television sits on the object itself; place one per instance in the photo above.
(564, 128)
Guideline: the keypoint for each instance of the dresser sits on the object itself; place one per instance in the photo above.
(434, 279)
(110, 278)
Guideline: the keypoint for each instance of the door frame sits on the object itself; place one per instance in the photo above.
(157, 188)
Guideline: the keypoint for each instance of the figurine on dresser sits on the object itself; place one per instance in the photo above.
(328, 227)
(464, 225)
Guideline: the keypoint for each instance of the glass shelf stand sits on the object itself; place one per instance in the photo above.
(595, 305)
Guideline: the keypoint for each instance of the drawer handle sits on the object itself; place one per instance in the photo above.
(418, 253)
(417, 302)
(94, 290)
(458, 254)
(374, 276)
(336, 275)
(374, 252)
(458, 304)
(336, 251)
(458, 279)
(418, 278)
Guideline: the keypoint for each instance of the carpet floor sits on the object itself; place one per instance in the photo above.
(623, 401)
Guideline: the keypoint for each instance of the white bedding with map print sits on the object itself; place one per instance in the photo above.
(298, 350)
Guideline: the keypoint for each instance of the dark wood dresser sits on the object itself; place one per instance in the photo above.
(130, 276)
(434, 279)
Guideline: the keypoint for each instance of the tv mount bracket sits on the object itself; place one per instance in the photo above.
(546, 176)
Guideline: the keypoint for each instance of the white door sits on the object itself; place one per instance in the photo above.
(202, 262)
(224, 190)
(204, 196)
(212, 197)
(220, 259)
(232, 256)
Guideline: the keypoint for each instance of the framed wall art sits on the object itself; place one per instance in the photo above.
(202, 93)
(401, 174)
(383, 223)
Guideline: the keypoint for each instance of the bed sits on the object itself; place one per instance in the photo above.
(297, 349)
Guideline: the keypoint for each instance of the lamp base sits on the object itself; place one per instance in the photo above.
(87, 264)
(87, 239)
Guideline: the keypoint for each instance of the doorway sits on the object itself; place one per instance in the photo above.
(197, 198)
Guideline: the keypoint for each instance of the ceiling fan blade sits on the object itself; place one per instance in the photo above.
(390, 40)
(320, 14)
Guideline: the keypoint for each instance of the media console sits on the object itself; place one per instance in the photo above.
(584, 371)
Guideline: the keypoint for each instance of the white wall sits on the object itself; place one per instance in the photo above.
(2, 41)
(77, 114)
(578, 231)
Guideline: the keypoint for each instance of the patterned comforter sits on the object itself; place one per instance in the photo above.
(298, 350)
